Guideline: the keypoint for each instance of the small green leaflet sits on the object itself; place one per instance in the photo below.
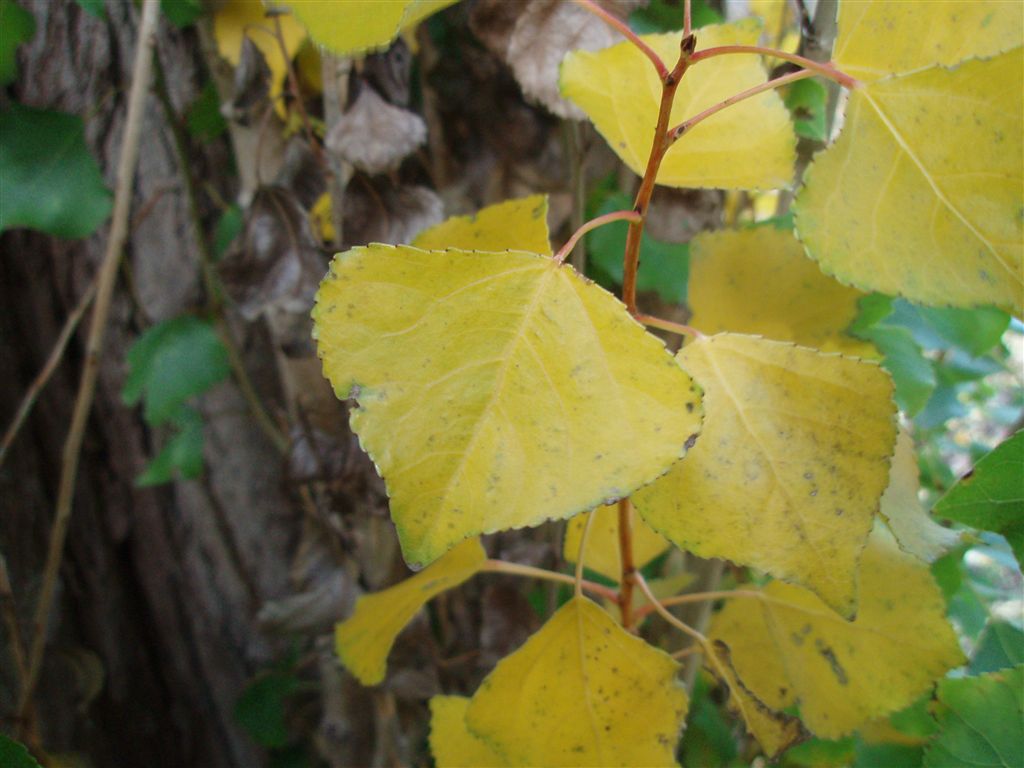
(204, 120)
(981, 722)
(807, 101)
(182, 454)
(93, 7)
(14, 755)
(51, 182)
(172, 362)
(1001, 646)
(17, 26)
(991, 496)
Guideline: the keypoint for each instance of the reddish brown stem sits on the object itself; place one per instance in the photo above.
(626, 32)
(607, 218)
(670, 83)
(825, 70)
(687, 18)
(676, 133)
(627, 581)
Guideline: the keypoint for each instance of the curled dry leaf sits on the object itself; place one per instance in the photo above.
(279, 264)
(377, 211)
(251, 89)
(374, 136)
(543, 34)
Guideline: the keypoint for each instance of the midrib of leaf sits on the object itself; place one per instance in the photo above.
(582, 651)
(499, 384)
(902, 142)
(771, 463)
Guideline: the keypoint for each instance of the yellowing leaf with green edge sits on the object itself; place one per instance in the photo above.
(496, 390)
(915, 531)
(235, 19)
(791, 462)
(451, 742)
(760, 281)
(582, 691)
(877, 38)
(364, 640)
(788, 648)
(774, 730)
(520, 225)
(602, 554)
(357, 26)
(890, 207)
(620, 92)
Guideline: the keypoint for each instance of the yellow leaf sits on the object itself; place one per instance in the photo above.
(496, 390)
(357, 26)
(790, 464)
(235, 19)
(778, 19)
(774, 730)
(451, 743)
(759, 281)
(320, 215)
(582, 692)
(890, 207)
(788, 648)
(520, 225)
(364, 640)
(620, 92)
(602, 555)
(877, 38)
(915, 531)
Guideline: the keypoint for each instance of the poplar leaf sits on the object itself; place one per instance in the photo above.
(981, 721)
(496, 390)
(915, 531)
(348, 27)
(602, 554)
(582, 691)
(452, 744)
(991, 496)
(790, 465)
(237, 19)
(877, 38)
(364, 640)
(620, 92)
(890, 208)
(759, 281)
(789, 649)
(511, 225)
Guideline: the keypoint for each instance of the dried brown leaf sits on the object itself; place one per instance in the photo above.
(377, 211)
(374, 136)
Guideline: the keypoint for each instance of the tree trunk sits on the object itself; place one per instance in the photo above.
(154, 632)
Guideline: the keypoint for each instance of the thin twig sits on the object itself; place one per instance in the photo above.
(11, 620)
(687, 125)
(629, 34)
(41, 379)
(515, 569)
(825, 70)
(211, 283)
(669, 325)
(687, 18)
(600, 221)
(625, 510)
(663, 612)
(106, 280)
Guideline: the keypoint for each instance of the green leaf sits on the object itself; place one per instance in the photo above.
(708, 739)
(912, 373)
(807, 101)
(172, 362)
(974, 330)
(1001, 646)
(364, 640)
(495, 390)
(789, 467)
(14, 754)
(181, 12)
(50, 180)
(582, 691)
(182, 454)
(663, 266)
(261, 708)
(661, 16)
(17, 26)
(791, 649)
(991, 496)
(204, 120)
(620, 92)
(889, 207)
(888, 755)
(981, 722)
(229, 226)
(95, 8)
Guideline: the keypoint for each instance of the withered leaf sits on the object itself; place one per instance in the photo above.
(375, 136)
